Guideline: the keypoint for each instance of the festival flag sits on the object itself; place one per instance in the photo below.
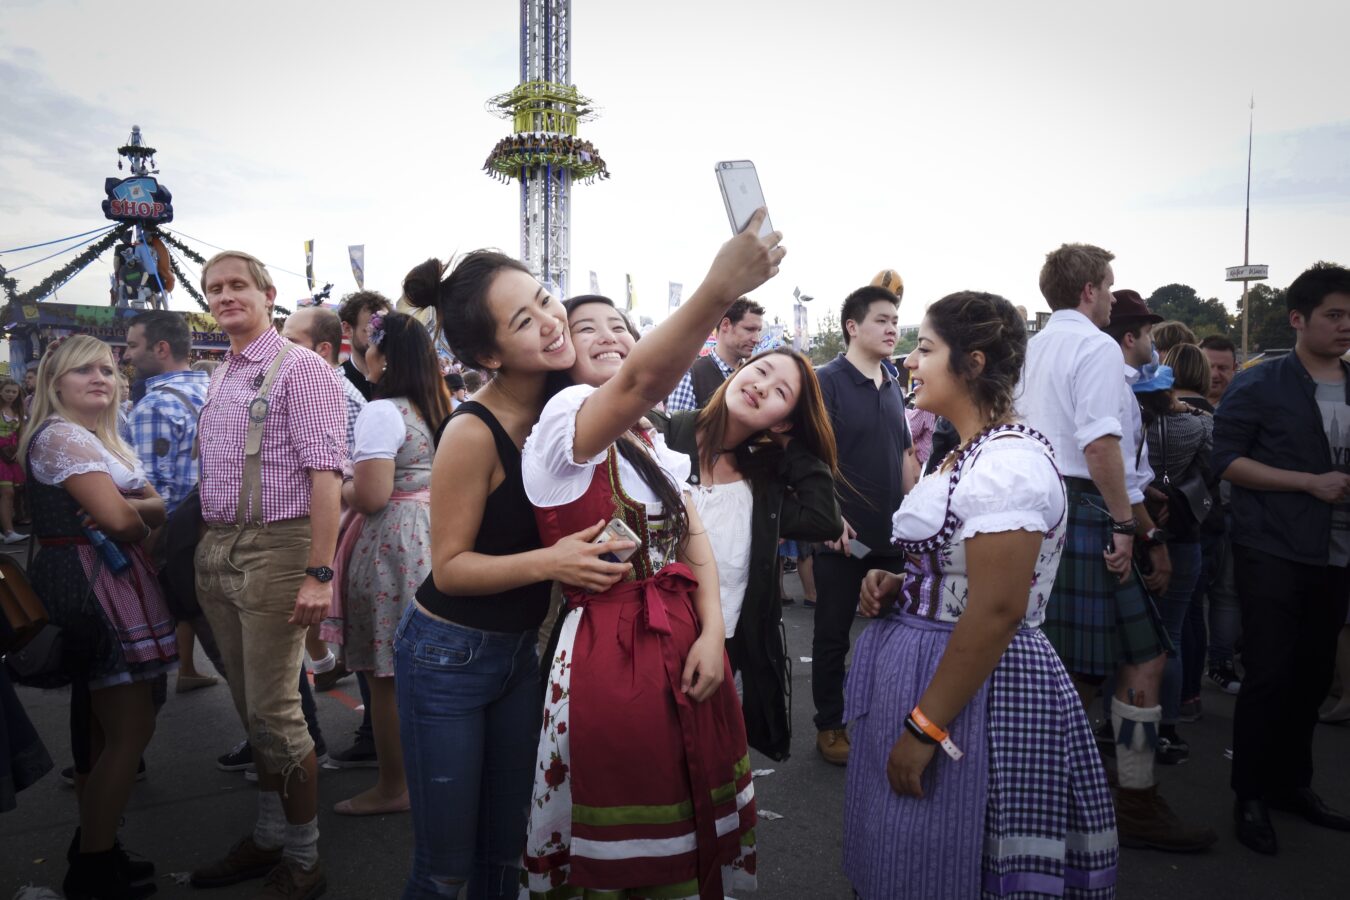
(358, 254)
(631, 297)
(595, 282)
(675, 290)
(309, 264)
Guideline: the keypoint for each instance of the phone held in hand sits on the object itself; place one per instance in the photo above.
(617, 529)
(742, 194)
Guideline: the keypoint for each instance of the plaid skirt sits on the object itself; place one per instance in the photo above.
(1095, 622)
(1025, 813)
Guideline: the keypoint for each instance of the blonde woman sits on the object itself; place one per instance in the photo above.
(117, 633)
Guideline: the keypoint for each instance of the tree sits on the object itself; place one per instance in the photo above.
(828, 341)
(1181, 303)
(1268, 327)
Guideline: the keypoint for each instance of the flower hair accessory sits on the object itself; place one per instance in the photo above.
(54, 344)
(377, 329)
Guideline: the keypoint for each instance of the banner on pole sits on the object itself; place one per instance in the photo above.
(357, 252)
(800, 339)
(309, 264)
(631, 298)
(675, 290)
(595, 282)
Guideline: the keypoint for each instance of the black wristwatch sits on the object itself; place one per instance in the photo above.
(1155, 537)
(322, 574)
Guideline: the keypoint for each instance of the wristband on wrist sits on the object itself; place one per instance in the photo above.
(1129, 526)
(913, 728)
(938, 735)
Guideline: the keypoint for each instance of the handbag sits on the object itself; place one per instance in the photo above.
(1189, 494)
(24, 614)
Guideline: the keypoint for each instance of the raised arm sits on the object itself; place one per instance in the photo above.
(660, 359)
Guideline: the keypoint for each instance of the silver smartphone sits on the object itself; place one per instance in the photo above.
(617, 529)
(742, 194)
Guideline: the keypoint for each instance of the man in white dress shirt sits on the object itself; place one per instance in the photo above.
(1100, 618)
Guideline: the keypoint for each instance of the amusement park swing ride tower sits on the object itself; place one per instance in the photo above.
(544, 152)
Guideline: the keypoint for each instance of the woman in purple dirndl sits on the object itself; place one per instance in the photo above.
(974, 771)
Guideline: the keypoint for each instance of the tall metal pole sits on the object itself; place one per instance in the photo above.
(1247, 229)
(544, 152)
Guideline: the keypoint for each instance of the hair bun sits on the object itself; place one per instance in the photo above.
(422, 285)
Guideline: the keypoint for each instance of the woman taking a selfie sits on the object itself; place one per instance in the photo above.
(974, 771)
(763, 467)
(641, 728)
(116, 631)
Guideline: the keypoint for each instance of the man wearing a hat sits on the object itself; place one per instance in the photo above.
(1099, 617)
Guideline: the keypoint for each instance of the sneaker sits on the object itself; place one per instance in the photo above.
(68, 773)
(1226, 677)
(833, 746)
(325, 681)
(788, 601)
(13, 537)
(244, 861)
(287, 881)
(360, 755)
(1190, 710)
(237, 760)
(1172, 750)
(790, 566)
(809, 604)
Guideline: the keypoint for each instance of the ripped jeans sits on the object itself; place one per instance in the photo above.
(469, 709)
(247, 579)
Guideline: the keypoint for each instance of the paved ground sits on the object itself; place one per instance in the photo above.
(186, 812)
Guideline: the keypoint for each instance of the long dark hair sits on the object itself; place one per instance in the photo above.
(810, 422)
(460, 300)
(672, 500)
(411, 369)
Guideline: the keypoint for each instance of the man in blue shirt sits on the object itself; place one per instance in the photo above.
(162, 429)
(1282, 439)
(876, 458)
(737, 337)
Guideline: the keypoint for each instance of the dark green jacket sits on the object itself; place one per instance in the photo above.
(793, 498)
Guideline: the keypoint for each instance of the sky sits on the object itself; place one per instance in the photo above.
(956, 143)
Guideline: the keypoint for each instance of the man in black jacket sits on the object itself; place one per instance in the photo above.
(1282, 438)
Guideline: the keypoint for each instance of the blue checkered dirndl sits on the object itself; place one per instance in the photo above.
(1025, 813)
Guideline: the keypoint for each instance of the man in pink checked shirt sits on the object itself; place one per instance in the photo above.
(273, 441)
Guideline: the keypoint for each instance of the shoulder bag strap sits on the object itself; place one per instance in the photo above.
(250, 485)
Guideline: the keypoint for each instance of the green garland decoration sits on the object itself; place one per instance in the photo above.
(187, 285)
(181, 247)
(58, 278)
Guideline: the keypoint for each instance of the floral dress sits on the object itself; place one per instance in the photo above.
(392, 556)
(639, 792)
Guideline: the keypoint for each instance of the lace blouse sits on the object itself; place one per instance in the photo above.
(64, 449)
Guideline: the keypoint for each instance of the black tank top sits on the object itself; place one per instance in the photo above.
(508, 527)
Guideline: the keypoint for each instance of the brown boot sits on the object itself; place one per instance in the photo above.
(244, 861)
(1143, 819)
(833, 745)
(290, 882)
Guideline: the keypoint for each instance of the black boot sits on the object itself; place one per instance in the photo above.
(136, 869)
(99, 876)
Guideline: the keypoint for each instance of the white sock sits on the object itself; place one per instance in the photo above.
(302, 843)
(319, 666)
(1136, 729)
(270, 832)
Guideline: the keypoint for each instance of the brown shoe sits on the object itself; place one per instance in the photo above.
(244, 861)
(325, 681)
(833, 745)
(287, 881)
(1143, 819)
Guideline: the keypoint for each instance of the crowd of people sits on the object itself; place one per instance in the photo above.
(560, 590)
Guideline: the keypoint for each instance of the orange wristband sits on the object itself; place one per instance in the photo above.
(942, 737)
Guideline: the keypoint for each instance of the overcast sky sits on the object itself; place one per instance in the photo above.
(955, 142)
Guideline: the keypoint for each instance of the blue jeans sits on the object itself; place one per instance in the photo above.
(469, 710)
(1225, 613)
(1173, 605)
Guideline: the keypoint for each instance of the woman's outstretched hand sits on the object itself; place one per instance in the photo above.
(747, 260)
